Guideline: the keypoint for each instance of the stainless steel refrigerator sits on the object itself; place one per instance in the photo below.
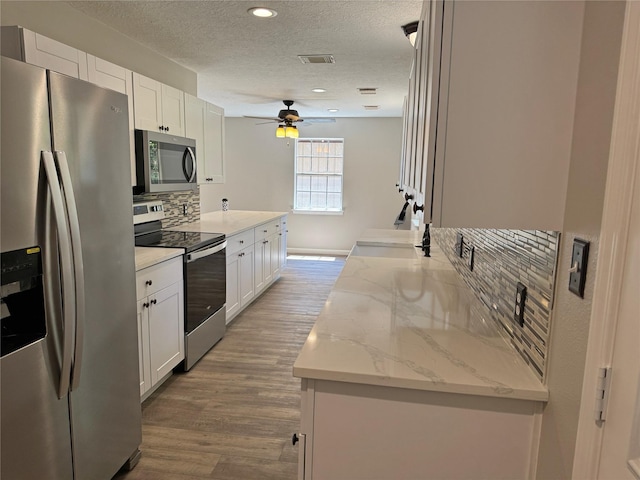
(70, 399)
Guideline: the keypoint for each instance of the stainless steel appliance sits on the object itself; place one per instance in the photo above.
(204, 269)
(70, 397)
(164, 162)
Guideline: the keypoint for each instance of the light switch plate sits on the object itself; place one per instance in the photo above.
(521, 297)
(459, 246)
(578, 267)
(471, 252)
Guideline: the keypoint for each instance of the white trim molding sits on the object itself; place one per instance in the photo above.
(623, 163)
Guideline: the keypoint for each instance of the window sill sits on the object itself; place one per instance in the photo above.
(318, 212)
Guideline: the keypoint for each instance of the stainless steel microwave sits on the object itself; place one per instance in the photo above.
(164, 163)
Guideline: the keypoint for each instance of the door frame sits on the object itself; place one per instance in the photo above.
(619, 195)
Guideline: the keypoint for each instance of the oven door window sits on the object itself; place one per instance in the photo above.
(206, 288)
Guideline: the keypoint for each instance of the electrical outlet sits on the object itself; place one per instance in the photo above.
(578, 270)
(470, 252)
(521, 297)
(184, 209)
(459, 245)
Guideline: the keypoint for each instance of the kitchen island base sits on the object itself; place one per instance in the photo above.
(357, 431)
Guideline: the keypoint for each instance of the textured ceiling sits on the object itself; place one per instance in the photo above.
(248, 65)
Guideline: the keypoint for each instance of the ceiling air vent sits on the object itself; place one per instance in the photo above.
(368, 91)
(371, 107)
(316, 58)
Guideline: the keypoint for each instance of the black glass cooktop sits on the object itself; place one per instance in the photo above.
(189, 241)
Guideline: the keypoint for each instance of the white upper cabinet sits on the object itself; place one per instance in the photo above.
(36, 49)
(205, 123)
(490, 114)
(157, 107)
(214, 170)
(109, 75)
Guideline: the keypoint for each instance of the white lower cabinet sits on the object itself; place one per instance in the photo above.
(160, 295)
(282, 256)
(361, 432)
(240, 290)
(254, 261)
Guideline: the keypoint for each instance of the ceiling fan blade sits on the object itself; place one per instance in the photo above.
(264, 118)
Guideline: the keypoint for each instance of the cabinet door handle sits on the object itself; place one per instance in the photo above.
(148, 282)
(241, 242)
(264, 231)
(145, 305)
(295, 439)
(154, 301)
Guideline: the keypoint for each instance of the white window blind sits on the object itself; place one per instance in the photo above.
(318, 174)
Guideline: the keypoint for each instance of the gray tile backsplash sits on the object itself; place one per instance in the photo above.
(502, 258)
(174, 206)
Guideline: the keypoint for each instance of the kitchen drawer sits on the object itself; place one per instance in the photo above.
(267, 229)
(155, 278)
(235, 243)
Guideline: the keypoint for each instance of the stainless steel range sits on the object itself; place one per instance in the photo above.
(204, 268)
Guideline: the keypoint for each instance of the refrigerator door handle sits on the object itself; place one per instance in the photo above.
(78, 264)
(66, 264)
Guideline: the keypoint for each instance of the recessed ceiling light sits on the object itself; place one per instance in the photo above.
(262, 12)
(333, 110)
(318, 90)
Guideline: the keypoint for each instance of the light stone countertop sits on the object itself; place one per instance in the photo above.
(412, 323)
(229, 222)
(149, 256)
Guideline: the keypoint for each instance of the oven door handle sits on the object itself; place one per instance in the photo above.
(192, 257)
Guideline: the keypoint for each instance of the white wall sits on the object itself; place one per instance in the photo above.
(259, 176)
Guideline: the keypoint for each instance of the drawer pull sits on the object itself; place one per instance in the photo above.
(154, 301)
(264, 231)
(145, 305)
(148, 282)
(241, 242)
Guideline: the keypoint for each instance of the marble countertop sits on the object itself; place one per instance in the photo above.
(148, 256)
(229, 222)
(412, 323)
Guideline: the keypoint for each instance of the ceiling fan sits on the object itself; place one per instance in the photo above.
(287, 115)
(286, 118)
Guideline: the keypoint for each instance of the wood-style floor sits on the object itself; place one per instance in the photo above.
(232, 416)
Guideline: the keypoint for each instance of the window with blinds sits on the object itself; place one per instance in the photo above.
(318, 174)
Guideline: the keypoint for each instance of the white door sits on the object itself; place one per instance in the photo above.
(610, 449)
(621, 439)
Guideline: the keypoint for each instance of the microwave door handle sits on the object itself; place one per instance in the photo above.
(68, 290)
(189, 152)
(78, 264)
(192, 257)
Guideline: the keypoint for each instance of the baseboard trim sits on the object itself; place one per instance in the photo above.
(316, 251)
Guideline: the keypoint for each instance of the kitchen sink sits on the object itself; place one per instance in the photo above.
(407, 251)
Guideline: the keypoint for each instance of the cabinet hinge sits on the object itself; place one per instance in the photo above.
(602, 393)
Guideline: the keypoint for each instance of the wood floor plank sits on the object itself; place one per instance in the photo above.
(232, 415)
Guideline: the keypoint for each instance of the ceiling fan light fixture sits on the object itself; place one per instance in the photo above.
(411, 32)
(291, 131)
(262, 12)
(280, 131)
